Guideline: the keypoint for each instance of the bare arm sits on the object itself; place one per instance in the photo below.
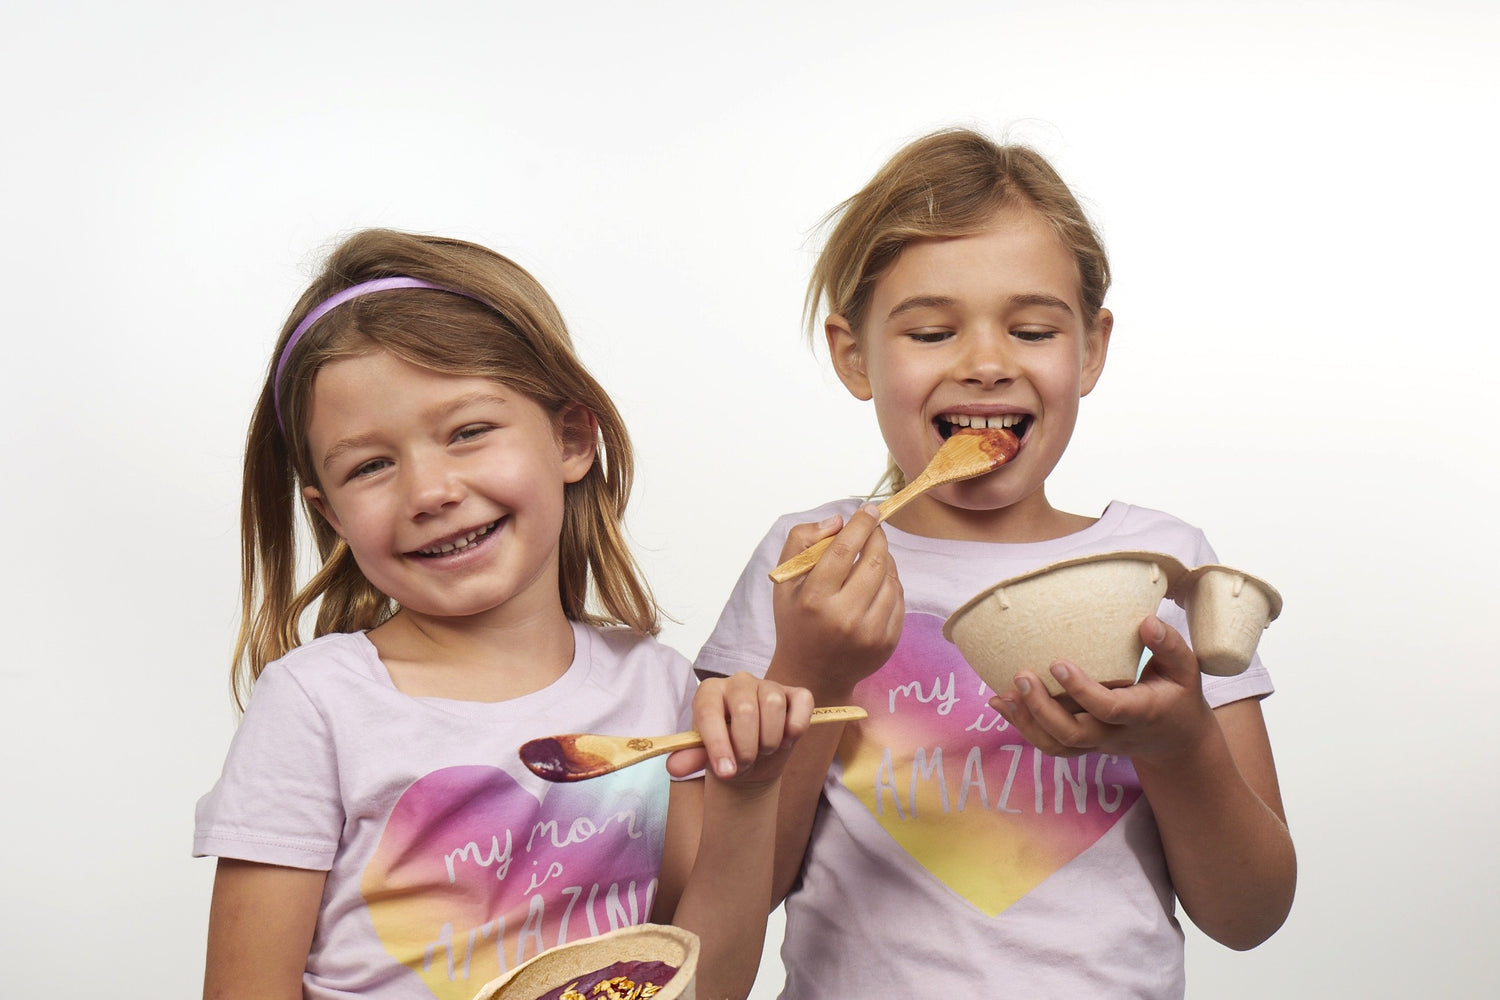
(1207, 773)
(260, 930)
(1218, 806)
(834, 627)
(721, 830)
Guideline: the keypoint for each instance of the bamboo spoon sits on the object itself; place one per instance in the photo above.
(968, 453)
(577, 756)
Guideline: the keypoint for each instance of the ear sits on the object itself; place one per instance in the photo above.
(578, 434)
(1095, 350)
(848, 360)
(322, 506)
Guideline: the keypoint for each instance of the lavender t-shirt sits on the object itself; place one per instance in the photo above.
(448, 862)
(949, 857)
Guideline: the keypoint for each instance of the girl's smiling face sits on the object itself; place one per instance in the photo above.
(969, 330)
(448, 489)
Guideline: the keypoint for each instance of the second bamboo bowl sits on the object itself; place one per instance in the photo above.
(1088, 611)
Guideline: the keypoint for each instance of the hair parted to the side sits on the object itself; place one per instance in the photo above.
(944, 184)
(513, 334)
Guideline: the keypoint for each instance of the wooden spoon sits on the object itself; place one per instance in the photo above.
(968, 453)
(577, 756)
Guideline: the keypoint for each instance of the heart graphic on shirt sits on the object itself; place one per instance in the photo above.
(475, 873)
(962, 793)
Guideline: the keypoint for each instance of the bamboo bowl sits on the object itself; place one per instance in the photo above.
(562, 965)
(1087, 611)
(1227, 611)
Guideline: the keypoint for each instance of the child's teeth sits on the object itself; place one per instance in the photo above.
(984, 423)
(454, 546)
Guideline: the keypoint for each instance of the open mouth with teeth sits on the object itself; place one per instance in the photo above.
(1017, 423)
(458, 544)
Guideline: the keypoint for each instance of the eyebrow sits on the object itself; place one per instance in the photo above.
(944, 302)
(438, 412)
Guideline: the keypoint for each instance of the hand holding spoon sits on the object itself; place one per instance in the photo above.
(577, 756)
(968, 453)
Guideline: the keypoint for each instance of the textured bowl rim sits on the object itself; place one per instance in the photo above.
(1173, 567)
(1190, 583)
(600, 947)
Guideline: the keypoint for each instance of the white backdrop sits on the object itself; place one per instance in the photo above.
(1299, 198)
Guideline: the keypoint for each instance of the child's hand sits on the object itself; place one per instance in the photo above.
(1162, 714)
(748, 727)
(838, 623)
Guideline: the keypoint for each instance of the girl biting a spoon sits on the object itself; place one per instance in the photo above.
(465, 481)
(961, 836)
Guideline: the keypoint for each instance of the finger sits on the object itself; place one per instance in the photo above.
(1086, 693)
(874, 563)
(742, 709)
(773, 707)
(835, 565)
(876, 589)
(709, 718)
(1171, 656)
(1014, 710)
(799, 709)
(1068, 733)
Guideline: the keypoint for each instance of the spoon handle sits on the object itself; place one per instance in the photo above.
(657, 745)
(808, 557)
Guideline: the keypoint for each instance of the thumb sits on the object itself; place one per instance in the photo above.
(685, 763)
(1170, 654)
(803, 535)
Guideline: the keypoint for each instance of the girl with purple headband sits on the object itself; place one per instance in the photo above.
(464, 480)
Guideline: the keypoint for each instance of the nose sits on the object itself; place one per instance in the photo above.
(986, 360)
(433, 483)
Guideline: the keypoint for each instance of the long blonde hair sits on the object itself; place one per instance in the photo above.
(509, 331)
(947, 183)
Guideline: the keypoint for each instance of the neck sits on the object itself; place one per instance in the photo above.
(475, 660)
(1030, 519)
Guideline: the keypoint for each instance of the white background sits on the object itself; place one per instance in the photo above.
(1299, 199)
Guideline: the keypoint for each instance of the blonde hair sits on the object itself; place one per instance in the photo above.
(513, 334)
(944, 184)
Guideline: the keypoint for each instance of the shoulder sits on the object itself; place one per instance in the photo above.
(333, 648)
(618, 644)
(634, 673)
(1145, 528)
(311, 671)
(843, 507)
(768, 551)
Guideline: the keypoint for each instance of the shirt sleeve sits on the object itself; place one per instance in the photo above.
(277, 800)
(745, 635)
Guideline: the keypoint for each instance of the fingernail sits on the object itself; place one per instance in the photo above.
(831, 521)
(1023, 685)
(872, 510)
(1060, 671)
(724, 768)
(1158, 630)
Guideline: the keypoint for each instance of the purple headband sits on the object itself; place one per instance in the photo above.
(333, 302)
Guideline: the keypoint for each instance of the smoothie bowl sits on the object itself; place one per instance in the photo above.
(1088, 611)
(644, 962)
